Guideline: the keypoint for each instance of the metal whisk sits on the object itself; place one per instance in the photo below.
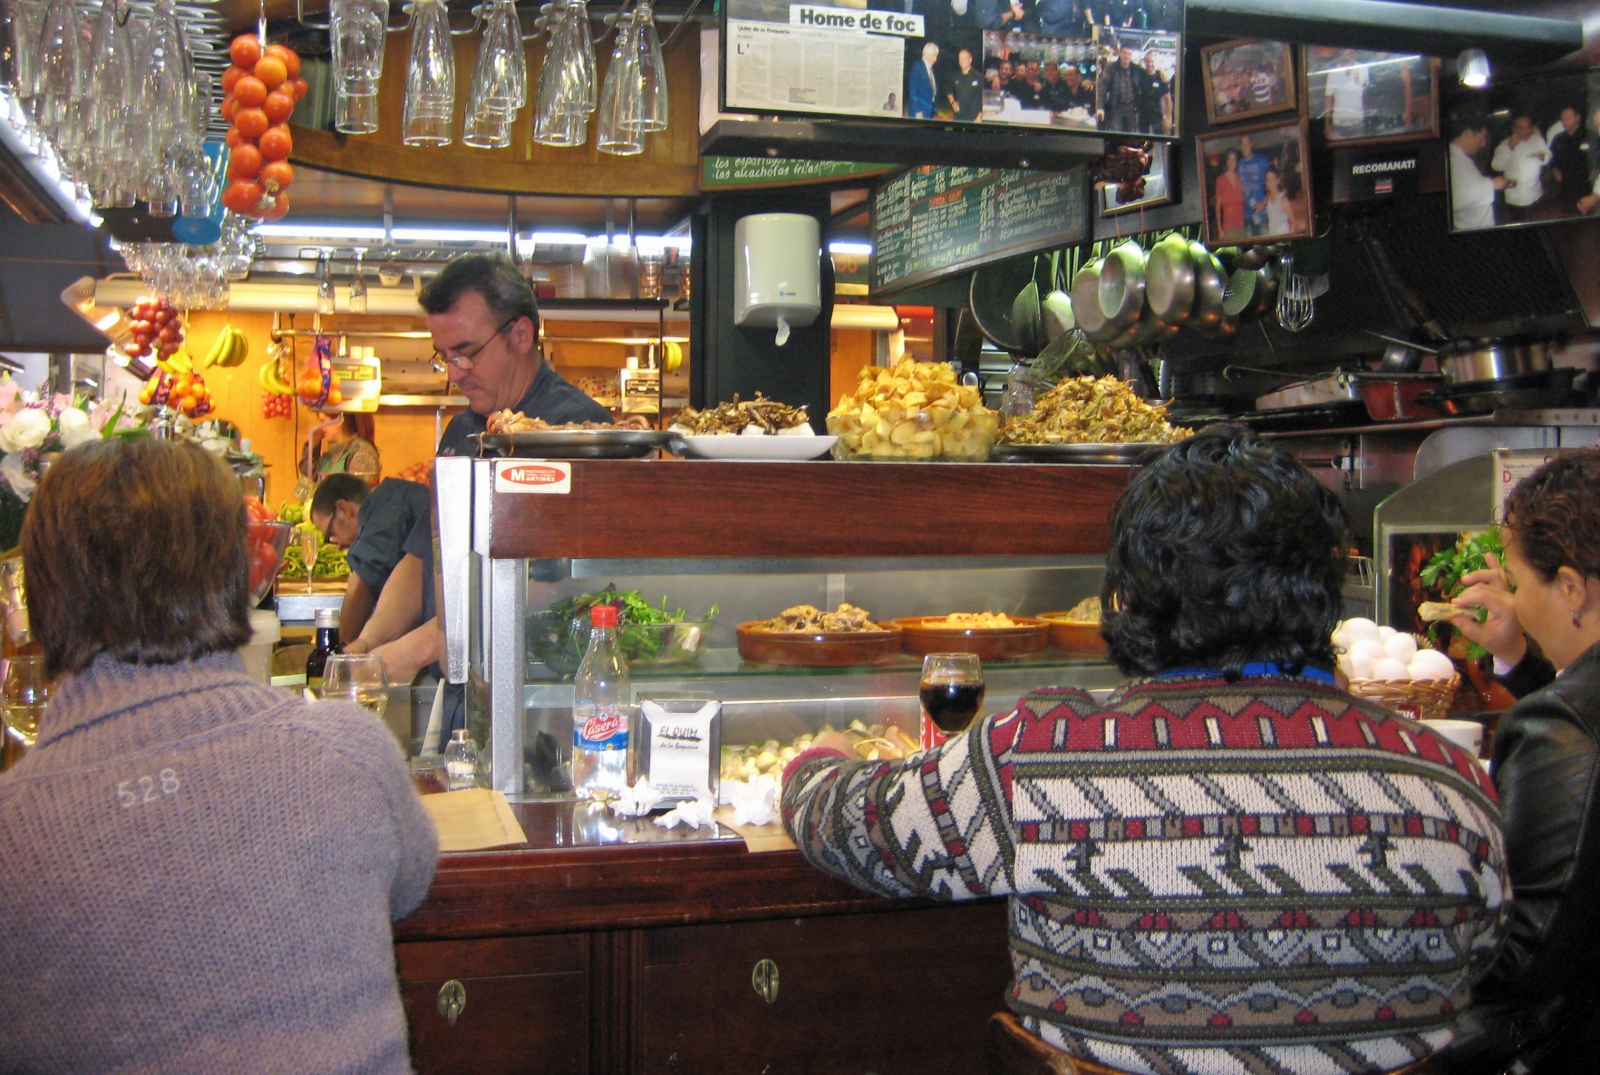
(1295, 303)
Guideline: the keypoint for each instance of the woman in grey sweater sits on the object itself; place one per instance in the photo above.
(197, 873)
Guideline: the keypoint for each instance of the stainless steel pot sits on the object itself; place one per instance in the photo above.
(1122, 285)
(1493, 360)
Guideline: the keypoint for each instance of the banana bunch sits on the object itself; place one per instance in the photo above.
(272, 381)
(674, 356)
(230, 348)
(176, 363)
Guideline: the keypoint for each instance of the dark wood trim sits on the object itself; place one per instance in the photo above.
(819, 509)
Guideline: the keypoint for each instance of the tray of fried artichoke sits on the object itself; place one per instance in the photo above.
(1088, 420)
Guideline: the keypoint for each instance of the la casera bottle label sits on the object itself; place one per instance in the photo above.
(604, 731)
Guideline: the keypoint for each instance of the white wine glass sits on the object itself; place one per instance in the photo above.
(26, 691)
(358, 678)
(652, 114)
(430, 100)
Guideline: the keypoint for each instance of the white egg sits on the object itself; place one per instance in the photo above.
(1358, 628)
(1347, 665)
(1360, 666)
(1371, 648)
(1401, 647)
(1389, 668)
(1431, 664)
(1340, 640)
(1386, 633)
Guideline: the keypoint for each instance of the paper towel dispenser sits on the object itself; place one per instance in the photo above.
(777, 271)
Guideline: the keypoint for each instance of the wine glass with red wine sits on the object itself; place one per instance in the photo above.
(951, 691)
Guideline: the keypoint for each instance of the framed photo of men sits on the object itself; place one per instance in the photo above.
(1357, 96)
(1248, 79)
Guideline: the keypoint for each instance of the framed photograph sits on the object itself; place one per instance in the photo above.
(1524, 152)
(1253, 183)
(1248, 79)
(1359, 96)
(1159, 184)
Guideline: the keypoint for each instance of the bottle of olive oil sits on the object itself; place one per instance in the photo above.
(327, 643)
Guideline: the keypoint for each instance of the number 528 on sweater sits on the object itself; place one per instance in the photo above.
(146, 789)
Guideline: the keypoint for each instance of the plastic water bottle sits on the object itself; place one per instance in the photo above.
(461, 761)
(600, 710)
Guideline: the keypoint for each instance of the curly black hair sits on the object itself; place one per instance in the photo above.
(1224, 551)
(1554, 515)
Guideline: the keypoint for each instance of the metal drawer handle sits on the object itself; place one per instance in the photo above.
(452, 1000)
(765, 980)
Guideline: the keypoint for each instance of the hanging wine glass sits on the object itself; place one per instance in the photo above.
(653, 73)
(358, 286)
(622, 97)
(560, 118)
(431, 80)
(57, 78)
(110, 115)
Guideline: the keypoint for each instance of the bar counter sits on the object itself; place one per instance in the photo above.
(616, 946)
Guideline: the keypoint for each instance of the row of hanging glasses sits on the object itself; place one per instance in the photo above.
(194, 277)
(110, 92)
(631, 104)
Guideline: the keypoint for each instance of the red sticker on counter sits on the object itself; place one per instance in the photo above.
(523, 476)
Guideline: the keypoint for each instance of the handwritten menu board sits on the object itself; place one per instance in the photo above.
(934, 222)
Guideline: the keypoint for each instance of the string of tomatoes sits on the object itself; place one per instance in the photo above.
(260, 91)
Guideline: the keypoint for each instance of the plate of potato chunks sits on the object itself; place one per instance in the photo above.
(913, 411)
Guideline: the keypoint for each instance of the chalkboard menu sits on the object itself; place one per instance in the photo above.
(934, 222)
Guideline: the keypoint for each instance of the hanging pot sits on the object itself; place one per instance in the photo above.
(1209, 287)
(1086, 305)
(1169, 280)
(1122, 286)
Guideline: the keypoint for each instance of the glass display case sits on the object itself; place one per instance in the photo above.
(719, 544)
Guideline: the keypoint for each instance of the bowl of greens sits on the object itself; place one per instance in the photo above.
(649, 636)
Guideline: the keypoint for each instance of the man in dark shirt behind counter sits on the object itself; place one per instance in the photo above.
(485, 325)
(371, 525)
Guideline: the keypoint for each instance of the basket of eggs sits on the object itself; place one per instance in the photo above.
(1395, 670)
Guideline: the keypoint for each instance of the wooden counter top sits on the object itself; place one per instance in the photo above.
(583, 869)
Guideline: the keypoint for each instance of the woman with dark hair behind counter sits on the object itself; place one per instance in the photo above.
(1206, 869)
(199, 871)
(1541, 1011)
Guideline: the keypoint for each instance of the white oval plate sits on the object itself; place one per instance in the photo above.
(733, 447)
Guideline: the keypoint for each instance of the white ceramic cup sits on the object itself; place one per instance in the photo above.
(1466, 734)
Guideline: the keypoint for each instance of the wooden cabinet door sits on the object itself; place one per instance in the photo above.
(894, 993)
(526, 1005)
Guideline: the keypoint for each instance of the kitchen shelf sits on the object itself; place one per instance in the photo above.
(1565, 416)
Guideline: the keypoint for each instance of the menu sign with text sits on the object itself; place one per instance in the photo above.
(935, 222)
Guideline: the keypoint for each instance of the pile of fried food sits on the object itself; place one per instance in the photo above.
(750, 418)
(967, 621)
(1092, 410)
(872, 743)
(807, 619)
(913, 410)
(509, 421)
(1085, 611)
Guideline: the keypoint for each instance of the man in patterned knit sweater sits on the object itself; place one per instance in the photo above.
(1230, 865)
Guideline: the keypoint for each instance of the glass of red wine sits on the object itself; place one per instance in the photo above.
(951, 691)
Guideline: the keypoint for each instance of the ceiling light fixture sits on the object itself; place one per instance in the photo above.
(1472, 67)
(859, 249)
(317, 231)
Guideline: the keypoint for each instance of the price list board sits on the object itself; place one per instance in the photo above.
(936, 222)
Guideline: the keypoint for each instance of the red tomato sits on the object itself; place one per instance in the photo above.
(271, 71)
(261, 513)
(280, 210)
(290, 58)
(231, 76)
(278, 105)
(244, 162)
(229, 107)
(245, 50)
(249, 92)
(242, 195)
(276, 176)
(276, 144)
(300, 87)
(252, 122)
(235, 139)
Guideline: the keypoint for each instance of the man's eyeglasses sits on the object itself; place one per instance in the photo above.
(463, 361)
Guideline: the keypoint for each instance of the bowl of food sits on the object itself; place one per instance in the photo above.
(913, 411)
(992, 636)
(806, 637)
(1077, 630)
(648, 636)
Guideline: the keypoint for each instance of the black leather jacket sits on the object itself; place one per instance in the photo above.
(1539, 1000)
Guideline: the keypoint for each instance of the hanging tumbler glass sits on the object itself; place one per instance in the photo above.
(623, 95)
(356, 31)
(653, 73)
(431, 81)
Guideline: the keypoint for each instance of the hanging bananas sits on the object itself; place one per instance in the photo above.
(272, 381)
(230, 349)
